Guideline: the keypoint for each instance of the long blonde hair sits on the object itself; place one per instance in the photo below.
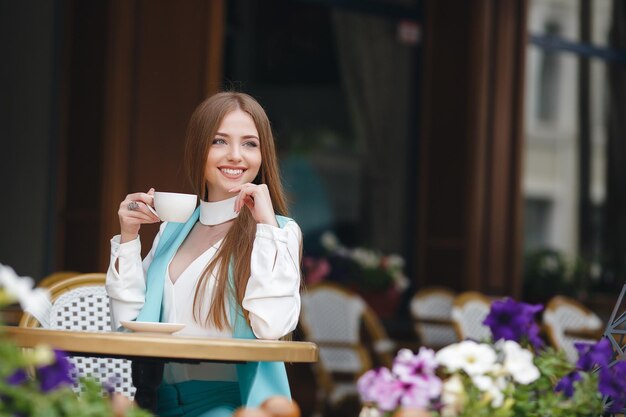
(236, 248)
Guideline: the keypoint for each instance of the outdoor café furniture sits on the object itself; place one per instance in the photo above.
(333, 318)
(567, 321)
(469, 310)
(80, 302)
(149, 352)
(431, 310)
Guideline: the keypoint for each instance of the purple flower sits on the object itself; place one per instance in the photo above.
(512, 320)
(18, 377)
(380, 386)
(533, 335)
(612, 383)
(566, 384)
(110, 383)
(56, 374)
(590, 355)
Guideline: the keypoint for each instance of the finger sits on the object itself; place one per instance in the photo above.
(238, 201)
(138, 217)
(141, 208)
(150, 211)
(143, 197)
(249, 202)
(240, 187)
(247, 195)
(145, 208)
(240, 197)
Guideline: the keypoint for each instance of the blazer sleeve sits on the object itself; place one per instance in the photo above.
(126, 281)
(272, 295)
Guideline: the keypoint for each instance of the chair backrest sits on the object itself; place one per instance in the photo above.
(333, 317)
(50, 280)
(469, 310)
(431, 309)
(563, 315)
(80, 303)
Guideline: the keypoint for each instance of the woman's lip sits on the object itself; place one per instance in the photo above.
(230, 175)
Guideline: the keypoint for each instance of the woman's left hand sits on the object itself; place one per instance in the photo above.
(257, 199)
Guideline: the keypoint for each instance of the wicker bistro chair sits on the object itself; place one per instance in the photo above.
(566, 322)
(50, 280)
(81, 303)
(431, 309)
(469, 310)
(333, 318)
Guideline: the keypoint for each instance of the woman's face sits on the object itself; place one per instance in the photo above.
(234, 155)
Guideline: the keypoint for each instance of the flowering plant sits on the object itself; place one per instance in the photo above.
(38, 382)
(513, 376)
(363, 268)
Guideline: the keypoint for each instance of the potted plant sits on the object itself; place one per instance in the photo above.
(38, 382)
(511, 375)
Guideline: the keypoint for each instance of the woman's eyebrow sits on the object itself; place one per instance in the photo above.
(245, 137)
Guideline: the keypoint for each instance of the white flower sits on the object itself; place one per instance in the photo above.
(21, 289)
(519, 363)
(329, 241)
(496, 396)
(473, 358)
(41, 355)
(400, 280)
(452, 396)
(492, 387)
(370, 412)
(16, 287)
(395, 261)
(366, 258)
(449, 357)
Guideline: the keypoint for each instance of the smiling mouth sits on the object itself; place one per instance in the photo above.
(232, 173)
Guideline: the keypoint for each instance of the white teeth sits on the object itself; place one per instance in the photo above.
(232, 171)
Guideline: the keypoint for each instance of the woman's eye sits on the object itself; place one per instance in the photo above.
(251, 144)
(219, 141)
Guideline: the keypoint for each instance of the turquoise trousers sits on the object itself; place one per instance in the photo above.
(198, 399)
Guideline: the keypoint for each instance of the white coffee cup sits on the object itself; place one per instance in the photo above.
(174, 207)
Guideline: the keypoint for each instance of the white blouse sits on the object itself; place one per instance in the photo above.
(272, 295)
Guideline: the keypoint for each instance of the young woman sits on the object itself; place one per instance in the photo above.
(233, 270)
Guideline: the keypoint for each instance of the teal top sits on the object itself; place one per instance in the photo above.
(257, 380)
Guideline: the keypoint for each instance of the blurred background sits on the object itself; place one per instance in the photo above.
(481, 141)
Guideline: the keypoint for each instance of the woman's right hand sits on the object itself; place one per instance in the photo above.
(131, 220)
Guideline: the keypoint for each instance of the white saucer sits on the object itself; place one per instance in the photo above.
(149, 327)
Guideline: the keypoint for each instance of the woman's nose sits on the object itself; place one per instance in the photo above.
(234, 153)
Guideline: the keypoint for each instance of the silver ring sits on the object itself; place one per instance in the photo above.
(133, 206)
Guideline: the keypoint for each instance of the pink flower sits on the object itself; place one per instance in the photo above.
(417, 372)
(380, 386)
(409, 366)
(412, 383)
(316, 270)
(421, 391)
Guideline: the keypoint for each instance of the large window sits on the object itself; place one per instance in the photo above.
(567, 169)
(338, 84)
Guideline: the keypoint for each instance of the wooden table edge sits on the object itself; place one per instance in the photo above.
(178, 347)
